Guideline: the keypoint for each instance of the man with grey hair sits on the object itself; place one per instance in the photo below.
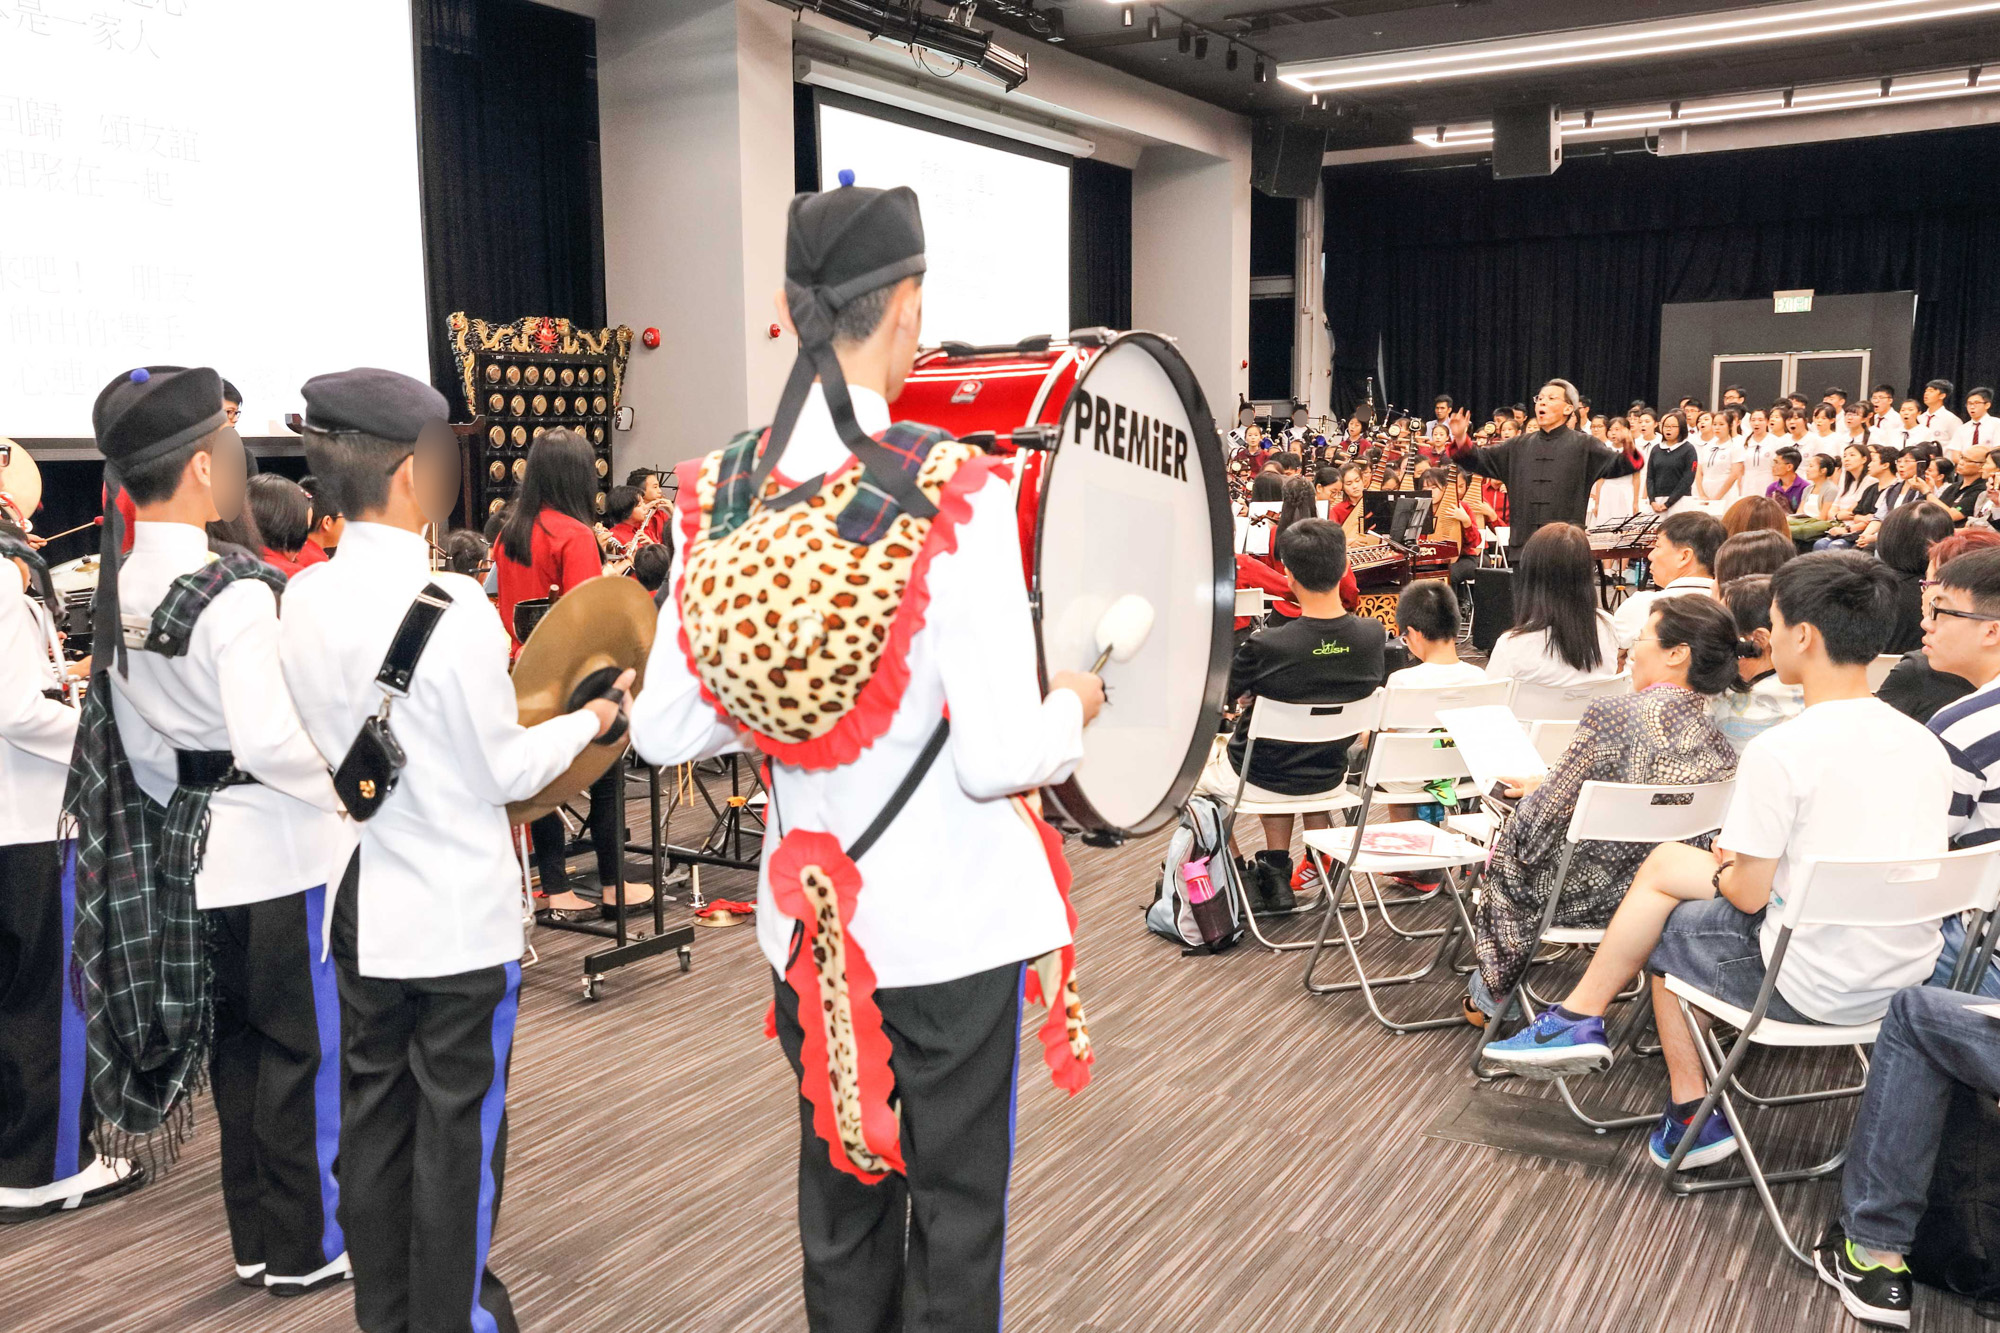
(1549, 469)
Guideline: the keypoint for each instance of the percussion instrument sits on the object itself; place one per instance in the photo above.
(75, 576)
(1378, 563)
(20, 484)
(578, 646)
(1630, 538)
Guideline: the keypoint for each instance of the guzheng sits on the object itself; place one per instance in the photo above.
(1630, 538)
(1378, 563)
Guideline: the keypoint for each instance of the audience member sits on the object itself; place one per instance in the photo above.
(1914, 687)
(1756, 512)
(1662, 733)
(1683, 560)
(1757, 551)
(1787, 487)
(1904, 545)
(1560, 637)
(1756, 700)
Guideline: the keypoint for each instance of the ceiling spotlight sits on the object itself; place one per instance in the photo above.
(1228, 59)
(1153, 27)
(1201, 50)
(1187, 38)
(1258, 72)
(1315, 99)
(1126, 21)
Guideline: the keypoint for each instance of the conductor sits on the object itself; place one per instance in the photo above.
(1548, 470)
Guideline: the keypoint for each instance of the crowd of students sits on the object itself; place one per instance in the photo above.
(1751, 659)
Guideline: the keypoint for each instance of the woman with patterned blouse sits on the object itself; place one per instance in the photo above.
(1660, 734)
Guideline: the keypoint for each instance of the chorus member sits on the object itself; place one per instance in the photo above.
(1940, 423)
(1732, 396)
(1914, 431)
(1882, 414)
(1560, 636)
(1618, 498)
(1854, 422)
(949, 935)
(1442, 409)
(1979, 430)
(1759, 448)
(1756, 700)
(425, 933)
(1701, 915)
(1549, 471)
(1824, 434)
(252, 828)
(1670, 468)
(1786, 487)
(283, 512)
(48, 1163)
(324, 525)
(1719, 461)
(1661, 733)
(1798, 430)
(547, 549)
(1683, 561)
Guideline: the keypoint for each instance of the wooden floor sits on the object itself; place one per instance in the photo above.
(1249, 1157)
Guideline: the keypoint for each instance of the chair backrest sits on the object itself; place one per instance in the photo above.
(1550, 739)
(1408, 708)
(1564, 703)
(1642, 812)
(1879, 669)
(1274, 721)
(1413, 756)
(1897, 891)
(1249, 601)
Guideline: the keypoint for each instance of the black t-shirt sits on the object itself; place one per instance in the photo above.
(1304, 661)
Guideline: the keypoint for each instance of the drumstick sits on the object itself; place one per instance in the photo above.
(1123, 629)
(97, 522)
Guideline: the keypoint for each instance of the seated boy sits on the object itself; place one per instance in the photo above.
(1700, 916)
(1962, 639)
(1323, 656)
(1427, 619)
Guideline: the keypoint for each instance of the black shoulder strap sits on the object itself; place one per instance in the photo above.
(904, 791)
(412, 636)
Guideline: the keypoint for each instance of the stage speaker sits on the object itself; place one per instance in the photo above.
(1527, 141)
(1285, 158)
(1492, 606)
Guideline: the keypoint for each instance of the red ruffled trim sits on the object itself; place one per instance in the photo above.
(1065, 1069)
(687, 503)
(879, 1128)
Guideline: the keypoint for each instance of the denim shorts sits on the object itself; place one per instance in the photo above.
(1713, 945)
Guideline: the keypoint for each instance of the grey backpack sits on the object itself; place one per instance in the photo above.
(1202, 832)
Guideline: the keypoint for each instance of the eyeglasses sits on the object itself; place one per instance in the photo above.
(1933, 611)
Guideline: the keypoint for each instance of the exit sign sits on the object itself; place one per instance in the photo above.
(1793, 302)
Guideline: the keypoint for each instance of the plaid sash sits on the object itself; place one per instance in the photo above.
(866, 517)
(140, 961)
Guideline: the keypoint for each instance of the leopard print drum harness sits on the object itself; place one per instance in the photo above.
(797, 611)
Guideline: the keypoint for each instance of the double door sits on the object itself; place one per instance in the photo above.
(1765, 377)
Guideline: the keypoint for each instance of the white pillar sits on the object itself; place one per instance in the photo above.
(1191, 263)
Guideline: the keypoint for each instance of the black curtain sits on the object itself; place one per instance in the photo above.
(1484, 289)
(1100, 245)
(513, 212)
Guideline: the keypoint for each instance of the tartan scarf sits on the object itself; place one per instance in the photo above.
(140, 961)
(866, 516)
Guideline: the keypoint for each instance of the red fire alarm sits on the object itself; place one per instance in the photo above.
(776, 331)
(651, 337)
(1245, 365)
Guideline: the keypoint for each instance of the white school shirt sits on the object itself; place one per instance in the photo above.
(1630, 618)
(1984, 433)
(37, 734)
(1941, 424)
(959, 883)
(1757, 471)
(1793, 806)
(1888, 432)
(1716, 461)
(281, 834)
(439, 890)
(1528, 657)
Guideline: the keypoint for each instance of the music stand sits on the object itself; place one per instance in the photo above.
(1378, 509)
(1410, 517)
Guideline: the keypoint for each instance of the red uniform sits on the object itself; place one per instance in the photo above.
(312, 553)
(565, 554)
(1252, 572)
(288, 565)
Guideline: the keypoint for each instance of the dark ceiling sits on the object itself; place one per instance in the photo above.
(1294, 31)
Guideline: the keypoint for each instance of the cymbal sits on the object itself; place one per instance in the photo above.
(603, 625)
(21, 480)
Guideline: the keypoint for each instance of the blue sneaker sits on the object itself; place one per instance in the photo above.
(1554, 1047)
(1716, 1142)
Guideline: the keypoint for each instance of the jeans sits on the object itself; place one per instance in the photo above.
(1954, 943)
(1713, 944)
(1929, 1041)
(1834, 544)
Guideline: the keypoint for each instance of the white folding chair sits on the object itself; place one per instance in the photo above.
(1564, 703)
(1879, 669)
(1303, 724)
(1392, 757)
(1864, 894)
(1616, 812)
(1250, 602)
(1550, 739)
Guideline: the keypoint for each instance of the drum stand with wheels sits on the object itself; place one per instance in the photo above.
(729, 843)
(626, 949)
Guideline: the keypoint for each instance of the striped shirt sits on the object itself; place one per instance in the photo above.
(1970, 730)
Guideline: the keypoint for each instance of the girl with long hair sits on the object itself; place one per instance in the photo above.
(1560, 636)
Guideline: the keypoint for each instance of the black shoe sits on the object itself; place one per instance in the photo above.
(1878, 1296)
(1274, 877)
(286, 1287)
(104, 1180)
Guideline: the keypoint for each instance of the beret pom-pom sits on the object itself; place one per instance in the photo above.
(847, 175)
(140, 376)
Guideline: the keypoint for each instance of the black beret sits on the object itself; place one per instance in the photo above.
(852, 240)
(381, 403)
(149, 412)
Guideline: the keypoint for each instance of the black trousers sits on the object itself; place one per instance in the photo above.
(607, 837)
(423, 1138)
(275, 1071)
(45, 1113)
(926, 1250)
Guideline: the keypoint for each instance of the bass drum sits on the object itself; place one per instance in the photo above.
(1134, 499)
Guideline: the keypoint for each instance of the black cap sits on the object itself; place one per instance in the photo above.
(149, 412)
(382, 403)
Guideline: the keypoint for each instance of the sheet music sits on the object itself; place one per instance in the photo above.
(1492, 743)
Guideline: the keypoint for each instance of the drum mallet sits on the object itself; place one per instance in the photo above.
(1122, 630)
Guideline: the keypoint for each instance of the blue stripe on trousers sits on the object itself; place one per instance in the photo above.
(1013, 1116)
(491, 1108)
(326, 1080)
(69, 1103)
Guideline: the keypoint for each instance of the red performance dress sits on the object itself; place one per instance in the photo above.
(565, 554)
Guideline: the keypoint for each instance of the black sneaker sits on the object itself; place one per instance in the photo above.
(1874, 1295)
(1274, 879)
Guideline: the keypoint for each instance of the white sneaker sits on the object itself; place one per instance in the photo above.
(337, 1271)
